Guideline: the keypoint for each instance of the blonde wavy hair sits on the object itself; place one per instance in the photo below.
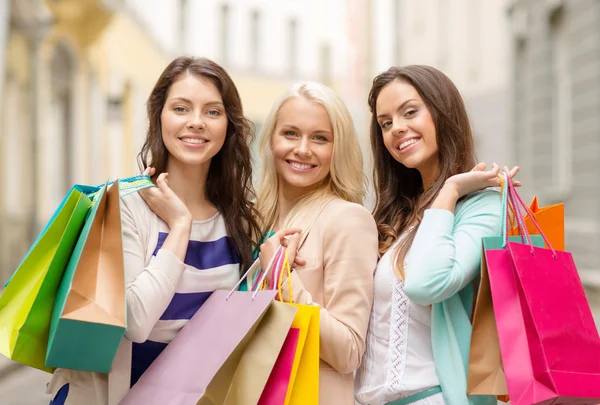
(345, 180)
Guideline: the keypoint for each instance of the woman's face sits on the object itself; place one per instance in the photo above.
(193, 120)
(302, 145)
(408, 130)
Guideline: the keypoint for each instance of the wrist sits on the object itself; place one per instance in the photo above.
(182, 224)
(451, 191)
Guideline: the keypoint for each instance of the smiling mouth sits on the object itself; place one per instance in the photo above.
(302, 167)
(406, 144)
(193, 141)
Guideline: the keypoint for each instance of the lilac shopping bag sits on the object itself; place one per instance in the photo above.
(548, 339)
(197, 367)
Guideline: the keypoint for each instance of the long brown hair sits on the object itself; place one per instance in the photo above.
(401, 199)
(229, 183)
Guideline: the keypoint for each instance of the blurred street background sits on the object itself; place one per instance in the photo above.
(75, 75)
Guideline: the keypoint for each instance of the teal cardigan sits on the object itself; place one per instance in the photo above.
(441, 265)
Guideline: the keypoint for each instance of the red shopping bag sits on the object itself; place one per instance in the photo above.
(548, 339)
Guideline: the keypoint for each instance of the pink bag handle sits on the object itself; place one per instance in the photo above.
(506, 223)
(525, 238)
(254, 267)
(518, 203)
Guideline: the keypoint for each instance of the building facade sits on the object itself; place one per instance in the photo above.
(556, 125)
(72, 107)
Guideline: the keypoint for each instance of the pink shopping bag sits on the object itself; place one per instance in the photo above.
(548, 339)
(276, 388)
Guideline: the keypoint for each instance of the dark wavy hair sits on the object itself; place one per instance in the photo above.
(401, 199)
(229, 183)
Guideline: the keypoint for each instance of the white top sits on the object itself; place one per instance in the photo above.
(390, 372)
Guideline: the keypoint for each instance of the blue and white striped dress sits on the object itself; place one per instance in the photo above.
(211, 264)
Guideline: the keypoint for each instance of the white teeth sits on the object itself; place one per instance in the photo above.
(407, 143)
(193, 140)
(300, 166)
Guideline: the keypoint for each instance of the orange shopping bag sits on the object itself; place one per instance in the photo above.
(551, 220)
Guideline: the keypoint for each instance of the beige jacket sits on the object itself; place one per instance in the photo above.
(341, 250)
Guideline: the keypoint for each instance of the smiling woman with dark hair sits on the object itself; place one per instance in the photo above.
(433, 208)
(186, 237)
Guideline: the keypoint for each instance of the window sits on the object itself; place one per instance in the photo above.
(325, 64)
(561, 104)
(62, 68)
(443, 34)
(292, 47)
(224, 38)
(255, 39)
(474, 34)
(396, 24)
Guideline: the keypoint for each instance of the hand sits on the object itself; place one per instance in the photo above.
(290, 239)
(165, 203)
(478, 179)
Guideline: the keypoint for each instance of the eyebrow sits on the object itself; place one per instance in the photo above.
(399, 108)
(185, 100)
(319, 131)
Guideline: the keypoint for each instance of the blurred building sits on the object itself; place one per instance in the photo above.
(557, 126)
(75, 78)
(266, 45)
(468, 40)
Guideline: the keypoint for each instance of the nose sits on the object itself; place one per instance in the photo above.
(303, 147)
(196, 122)
(399, 126)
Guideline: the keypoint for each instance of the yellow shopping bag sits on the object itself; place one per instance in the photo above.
(304, 380)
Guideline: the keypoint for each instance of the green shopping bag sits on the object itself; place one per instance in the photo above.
(89, 315)
(26, 304)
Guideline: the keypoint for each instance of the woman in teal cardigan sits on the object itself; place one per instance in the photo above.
(433, 208)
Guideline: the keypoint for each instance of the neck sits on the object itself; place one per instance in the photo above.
(188, 182)
(429, 175)
(288, 197)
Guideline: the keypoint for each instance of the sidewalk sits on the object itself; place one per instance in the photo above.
(20, 385)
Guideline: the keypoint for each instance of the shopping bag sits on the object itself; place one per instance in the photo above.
(303, 387)
(485, 370)
(88, 319)
(550, 219)
(269, 341)
(548, 339)
(278, 383)
(26, 304)
(199, 364)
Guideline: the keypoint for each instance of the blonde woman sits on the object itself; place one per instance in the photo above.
(312, 188)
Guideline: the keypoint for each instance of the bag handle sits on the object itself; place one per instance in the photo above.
(506, 220)
(518, 203)
(285, 267)
(127, 185)
(255, 266)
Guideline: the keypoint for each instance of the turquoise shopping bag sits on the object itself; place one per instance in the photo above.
(89, 315)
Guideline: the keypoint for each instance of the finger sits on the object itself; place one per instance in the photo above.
(293, 243)
(282, 233)
(495, 169)
(514, 171)
(517, 183)
(298, 261)
(162, 183)
(479, 167)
